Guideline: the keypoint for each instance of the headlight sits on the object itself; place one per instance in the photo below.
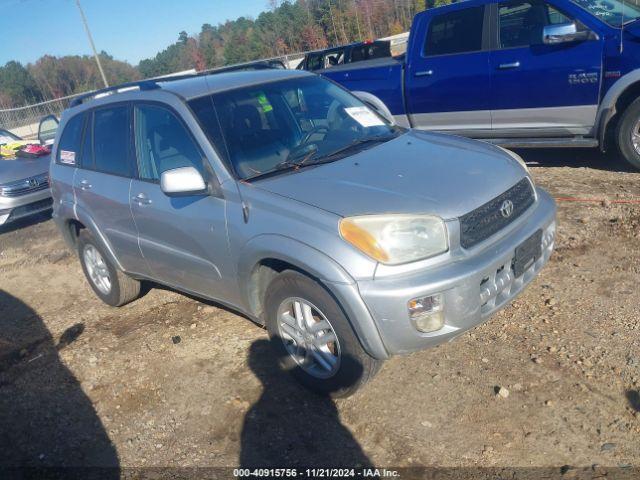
(516, 157)
(395, 239)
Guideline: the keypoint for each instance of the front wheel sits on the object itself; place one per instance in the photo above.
(313, 338)
(628, 134)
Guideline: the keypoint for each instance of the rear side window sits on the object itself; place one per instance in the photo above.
(112, 140)
(69, 146)
(371, 51)
(455, 32)
(163, 143)
(314, 62)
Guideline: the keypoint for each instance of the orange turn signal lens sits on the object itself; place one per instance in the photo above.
(362, 240)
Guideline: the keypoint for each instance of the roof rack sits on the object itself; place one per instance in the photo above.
(123, 87)
(153, 83)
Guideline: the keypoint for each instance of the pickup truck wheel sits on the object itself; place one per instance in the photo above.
(110, 285)
(628, 134)
(313, 338)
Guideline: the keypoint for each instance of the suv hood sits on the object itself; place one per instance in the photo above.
(15, 169)
(417, 172)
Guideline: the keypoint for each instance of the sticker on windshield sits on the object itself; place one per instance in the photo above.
(364, 116)
(67, 157)
(264, 103)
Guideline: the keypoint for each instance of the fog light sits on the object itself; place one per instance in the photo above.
(427, 313)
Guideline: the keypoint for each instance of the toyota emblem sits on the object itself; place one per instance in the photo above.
(507, 208)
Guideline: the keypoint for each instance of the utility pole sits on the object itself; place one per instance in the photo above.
(355, 6)
(93, 47)
(333, 22)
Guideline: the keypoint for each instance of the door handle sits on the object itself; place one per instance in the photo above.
(85, 185)
(424, 73)
(507, 66)
(141, 199)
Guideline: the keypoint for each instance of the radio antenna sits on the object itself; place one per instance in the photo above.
(622, 27)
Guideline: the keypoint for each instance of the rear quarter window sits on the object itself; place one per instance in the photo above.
(455, 32)
(70, 144)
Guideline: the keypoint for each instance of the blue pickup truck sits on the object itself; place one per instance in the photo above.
(518, 73)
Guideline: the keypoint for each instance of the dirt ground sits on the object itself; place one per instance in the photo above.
(172, 381)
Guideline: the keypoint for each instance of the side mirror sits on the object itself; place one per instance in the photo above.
(376, 104)
(47, 129)
(182, 181)
(563, 33)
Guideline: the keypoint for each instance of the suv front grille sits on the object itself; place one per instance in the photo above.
(488, 219)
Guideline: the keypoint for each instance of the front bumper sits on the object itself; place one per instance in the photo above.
(13, 208)
(473, 287)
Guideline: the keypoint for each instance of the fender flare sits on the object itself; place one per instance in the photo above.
(323, 268)
(84, 218)
(292, 251)
(607, 108)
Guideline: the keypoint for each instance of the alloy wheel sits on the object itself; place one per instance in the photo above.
(635, 137)
(97, 269)
(309, 337)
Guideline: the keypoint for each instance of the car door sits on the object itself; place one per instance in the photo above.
(103, 179)
(542, 89)
(183, 239)
(447, 81)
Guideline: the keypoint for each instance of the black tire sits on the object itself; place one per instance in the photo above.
(124, 289)
(624, 133)
(355, 367)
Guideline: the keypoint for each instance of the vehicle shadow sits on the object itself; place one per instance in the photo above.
(634, 399)
(576, 158)
(46, 420)
(291, 427)
(26, 222)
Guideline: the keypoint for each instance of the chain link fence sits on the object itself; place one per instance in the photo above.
(24, 121)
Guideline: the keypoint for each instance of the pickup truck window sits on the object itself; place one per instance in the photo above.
(521, 23)
(455, 32)
(315, 62)
(614, 12)
(274, 126)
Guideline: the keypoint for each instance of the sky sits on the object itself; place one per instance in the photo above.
(128, 30)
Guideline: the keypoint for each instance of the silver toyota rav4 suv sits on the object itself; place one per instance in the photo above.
(285, 197)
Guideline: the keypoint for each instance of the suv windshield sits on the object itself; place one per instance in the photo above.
(614, 12)
(288, 124)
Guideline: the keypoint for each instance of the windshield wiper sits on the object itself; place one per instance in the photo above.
(296, 159)
(308, 159)
(336, 154)
(292, 162)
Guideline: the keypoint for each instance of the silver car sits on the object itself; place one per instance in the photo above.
(287, 198)
(24, 184)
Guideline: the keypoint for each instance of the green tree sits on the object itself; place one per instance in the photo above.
(17, 86)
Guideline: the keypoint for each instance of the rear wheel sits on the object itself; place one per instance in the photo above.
(313, 338)
(628, 134)
(110, 285)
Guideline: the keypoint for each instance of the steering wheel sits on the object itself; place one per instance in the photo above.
(312, 132)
